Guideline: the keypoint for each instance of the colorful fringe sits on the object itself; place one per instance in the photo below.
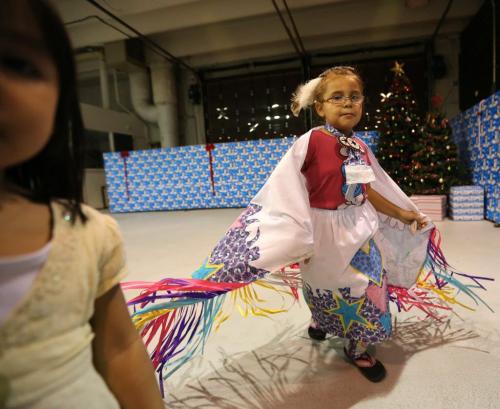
(439, 286)
(179, 314)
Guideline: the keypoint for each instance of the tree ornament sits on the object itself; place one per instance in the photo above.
(435, 158)
(437, 101)
(385, 97)
(398, 68)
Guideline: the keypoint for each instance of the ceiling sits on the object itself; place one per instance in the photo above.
(205, 33)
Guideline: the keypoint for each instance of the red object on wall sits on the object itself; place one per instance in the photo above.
(125, 155)
(209, 147)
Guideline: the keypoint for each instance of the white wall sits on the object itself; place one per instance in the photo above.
(107, 120)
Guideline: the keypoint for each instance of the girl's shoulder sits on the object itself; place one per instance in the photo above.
(98, 225)
(320, 132)
(62, 210)
(320, 136)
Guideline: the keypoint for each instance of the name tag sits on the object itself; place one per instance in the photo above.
(358, 174)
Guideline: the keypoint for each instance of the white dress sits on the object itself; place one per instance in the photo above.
(355, 254)
(354, 251)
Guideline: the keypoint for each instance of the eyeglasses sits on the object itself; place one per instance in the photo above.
(339, 99)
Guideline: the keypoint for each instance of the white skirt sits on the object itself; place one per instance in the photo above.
(338, 235)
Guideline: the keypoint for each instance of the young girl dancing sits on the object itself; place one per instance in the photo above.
(330, 207)
(345, 282)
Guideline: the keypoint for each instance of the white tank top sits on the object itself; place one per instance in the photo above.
(17, 275)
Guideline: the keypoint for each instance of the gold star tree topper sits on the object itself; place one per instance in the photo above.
(398, 68)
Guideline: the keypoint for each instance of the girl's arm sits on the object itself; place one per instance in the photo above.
(120, 356)
(382, 205)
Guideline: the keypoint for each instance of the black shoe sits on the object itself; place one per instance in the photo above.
(316, 333)
(374, 373)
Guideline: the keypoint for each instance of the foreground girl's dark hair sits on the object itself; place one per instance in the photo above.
(56, 172)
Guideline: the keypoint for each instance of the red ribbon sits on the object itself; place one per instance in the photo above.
(124, 155)
(209, 147)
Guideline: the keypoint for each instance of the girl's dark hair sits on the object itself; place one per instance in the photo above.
(56, 172)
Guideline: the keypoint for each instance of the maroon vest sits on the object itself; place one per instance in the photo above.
(322, 170)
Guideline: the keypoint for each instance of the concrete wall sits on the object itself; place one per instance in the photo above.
(107, 120)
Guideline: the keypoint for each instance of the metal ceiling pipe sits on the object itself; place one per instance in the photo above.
(285, 26)
(140, 93)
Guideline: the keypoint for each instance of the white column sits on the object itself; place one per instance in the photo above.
(104, 84)
(165, 99)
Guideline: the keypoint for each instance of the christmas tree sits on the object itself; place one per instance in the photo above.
(435, 162)
(399, 127)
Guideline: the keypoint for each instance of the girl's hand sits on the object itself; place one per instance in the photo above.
(410, 217)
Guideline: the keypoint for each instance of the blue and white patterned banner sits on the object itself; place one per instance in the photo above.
(179, 178)
(477, 134)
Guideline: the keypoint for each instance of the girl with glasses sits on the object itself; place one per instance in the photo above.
(331, 208)
(345, 283)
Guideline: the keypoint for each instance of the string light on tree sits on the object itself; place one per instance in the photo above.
(399, 124)
(384, 98)
(435, 161)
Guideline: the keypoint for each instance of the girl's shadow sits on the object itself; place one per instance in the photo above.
(293, 372)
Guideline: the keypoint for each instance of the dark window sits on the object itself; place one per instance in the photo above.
(97, 143)
(258, 106)
(476, 57)
(251, 107)
(123, 142)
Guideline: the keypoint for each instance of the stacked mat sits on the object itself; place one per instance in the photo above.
(190, 177)
(467, 203)
(433, 206)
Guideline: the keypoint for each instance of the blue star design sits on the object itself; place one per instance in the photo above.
(386, 322)
(369, 263)
(206, 270)
(349, 313)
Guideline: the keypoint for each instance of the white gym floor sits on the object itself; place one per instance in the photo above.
(271, 363)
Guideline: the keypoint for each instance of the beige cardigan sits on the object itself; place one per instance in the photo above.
(45, 344)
